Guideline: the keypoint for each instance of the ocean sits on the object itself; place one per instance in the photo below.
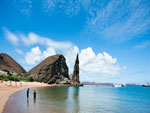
(87, 99)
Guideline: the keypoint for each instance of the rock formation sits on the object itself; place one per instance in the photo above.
(75, 77)
(9, 65)
(52, 70)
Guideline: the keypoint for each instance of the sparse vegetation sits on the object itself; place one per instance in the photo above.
(16, 78)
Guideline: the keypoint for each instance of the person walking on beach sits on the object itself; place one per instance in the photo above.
(28, 93)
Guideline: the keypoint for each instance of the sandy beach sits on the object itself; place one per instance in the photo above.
(6, 90)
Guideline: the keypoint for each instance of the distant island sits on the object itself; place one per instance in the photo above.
(108, 83)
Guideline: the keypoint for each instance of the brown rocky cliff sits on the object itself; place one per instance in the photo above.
(52, 70)
(9, 64)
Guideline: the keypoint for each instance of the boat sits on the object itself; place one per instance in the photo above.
(117, 85)
(146, 84)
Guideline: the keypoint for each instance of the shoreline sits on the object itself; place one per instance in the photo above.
(6, 90)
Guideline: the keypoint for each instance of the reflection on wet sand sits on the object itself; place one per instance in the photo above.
(27, 102)
(34, 101)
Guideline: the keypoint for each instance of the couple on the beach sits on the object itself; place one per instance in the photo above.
(34, 94)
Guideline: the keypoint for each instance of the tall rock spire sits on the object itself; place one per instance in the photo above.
(75, 77)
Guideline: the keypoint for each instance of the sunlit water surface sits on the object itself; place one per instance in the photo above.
(87, 99)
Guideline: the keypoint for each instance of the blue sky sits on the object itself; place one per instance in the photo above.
(112, 37)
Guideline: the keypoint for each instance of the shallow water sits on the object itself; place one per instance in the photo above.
(87, 99)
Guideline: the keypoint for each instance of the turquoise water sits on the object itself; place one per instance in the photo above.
(87, 99)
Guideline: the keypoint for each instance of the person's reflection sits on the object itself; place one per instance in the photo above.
(34, 96)
(27, 102)
(76, 99)
(34, 101)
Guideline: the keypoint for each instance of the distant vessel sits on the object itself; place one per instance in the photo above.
(146, 84)
(118, 85)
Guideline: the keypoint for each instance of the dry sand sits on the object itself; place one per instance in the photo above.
(6, 90)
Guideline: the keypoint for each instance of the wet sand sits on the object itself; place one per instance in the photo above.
(7, 89)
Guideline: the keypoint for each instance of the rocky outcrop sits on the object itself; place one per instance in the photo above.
(52, 70)
(9, 65)
(75, 76)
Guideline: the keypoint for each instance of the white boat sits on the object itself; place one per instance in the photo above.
(117, 85)
(146, 85)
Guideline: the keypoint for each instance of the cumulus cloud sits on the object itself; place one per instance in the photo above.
(67, 48)
(33, 56)
(50, 51)
(10, 36)
(36, 55)
(70, 55)
(102, 62)
(89, 62)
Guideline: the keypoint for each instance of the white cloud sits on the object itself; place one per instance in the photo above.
(70, 56)
(49, 52)
(36, 55)
(33, 38)
(119, 21)
(142, 45)
(19, 51)
(11, 37)
(102, 62)
(33, 56)
(90, 63)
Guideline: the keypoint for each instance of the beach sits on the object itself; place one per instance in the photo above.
(6, 90)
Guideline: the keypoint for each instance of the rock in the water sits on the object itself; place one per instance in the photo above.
(9, 65)
(75, 77)
(52, 70)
